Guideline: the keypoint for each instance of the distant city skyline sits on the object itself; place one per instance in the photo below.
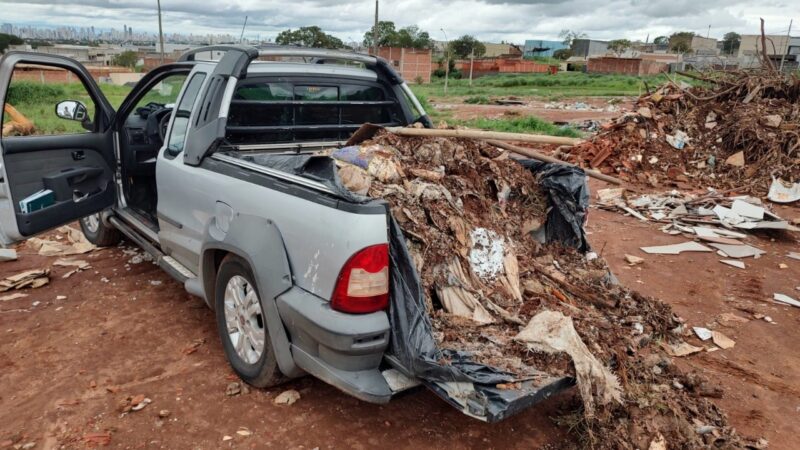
(488, 20)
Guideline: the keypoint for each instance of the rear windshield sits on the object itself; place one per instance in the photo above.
(264, 111)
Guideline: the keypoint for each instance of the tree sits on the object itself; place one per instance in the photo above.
(661, 40)
(619, 46)
(570, 35)
(387, 35)
(8, 39)
(412, 37)
(464, 46)
(308, 37)
(128, 58)
(730, 42)
(562, 54)
(681, 42)
(408, 37)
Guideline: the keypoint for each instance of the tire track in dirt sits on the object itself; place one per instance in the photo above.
(735, 370)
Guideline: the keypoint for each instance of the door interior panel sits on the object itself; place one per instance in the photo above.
(72, 166)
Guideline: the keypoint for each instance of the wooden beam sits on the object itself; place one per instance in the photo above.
(483, 135)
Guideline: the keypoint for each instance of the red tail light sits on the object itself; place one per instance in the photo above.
(363, 283)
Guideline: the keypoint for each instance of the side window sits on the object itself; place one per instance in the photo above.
(163, 94)
(180, 122)
(47, 100)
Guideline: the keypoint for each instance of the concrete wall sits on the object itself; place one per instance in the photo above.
(587, 48)
(626, 66)
(705, 46)
(410, 63)
(751, 44)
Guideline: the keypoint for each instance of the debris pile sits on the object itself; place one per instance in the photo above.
(713, 220)
(739, 132)
(472, 219)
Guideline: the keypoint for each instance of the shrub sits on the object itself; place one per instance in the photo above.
(28, 92)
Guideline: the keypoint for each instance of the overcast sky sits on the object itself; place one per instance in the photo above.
(490, 20)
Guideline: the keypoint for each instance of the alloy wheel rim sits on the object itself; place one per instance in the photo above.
(244, 319)
(92, 222)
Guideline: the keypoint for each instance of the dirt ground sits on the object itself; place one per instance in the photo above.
(65, 365)
(598, 109)
(126, 329)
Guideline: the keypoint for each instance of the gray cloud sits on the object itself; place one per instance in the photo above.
(495, 20)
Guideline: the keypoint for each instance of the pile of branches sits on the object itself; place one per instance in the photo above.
(737, 130)
(442, 192)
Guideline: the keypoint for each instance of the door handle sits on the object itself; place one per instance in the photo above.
(78, 155)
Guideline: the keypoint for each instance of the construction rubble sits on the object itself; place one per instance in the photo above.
(738, 130)
(497, 289)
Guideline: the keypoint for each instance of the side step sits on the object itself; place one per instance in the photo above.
(169, 264)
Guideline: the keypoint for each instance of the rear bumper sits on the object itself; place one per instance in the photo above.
(344, 350)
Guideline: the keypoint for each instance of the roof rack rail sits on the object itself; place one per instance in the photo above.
(190, 55)
(282, 52)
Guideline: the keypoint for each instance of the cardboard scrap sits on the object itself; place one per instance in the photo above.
(683, 349)
(552, 332)
(13, 296)
(77, 244)
(676, 249)
(35, 278)
(722, 341)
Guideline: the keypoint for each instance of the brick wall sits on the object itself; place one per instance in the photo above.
(492, 66)
(625, 66)
(410, 63)
(54, 75)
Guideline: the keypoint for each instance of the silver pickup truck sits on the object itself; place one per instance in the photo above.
(299, 277)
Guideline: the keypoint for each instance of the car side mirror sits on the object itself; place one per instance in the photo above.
(72, 110)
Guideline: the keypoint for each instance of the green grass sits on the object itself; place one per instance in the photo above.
(529, 124)
(561, 85)
(477, 100)
(37, 102)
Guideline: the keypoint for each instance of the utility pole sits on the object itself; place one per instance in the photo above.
(241, 37)
(788, 38)
(471, 63)
(375, 31)
(708, 35)
(160, 31)
(446, 60)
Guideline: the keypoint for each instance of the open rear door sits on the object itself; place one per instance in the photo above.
(60, 168)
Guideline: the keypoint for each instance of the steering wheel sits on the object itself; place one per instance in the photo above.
(163, 124)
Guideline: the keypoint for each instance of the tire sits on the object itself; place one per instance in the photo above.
(255, 364)
(99, 233)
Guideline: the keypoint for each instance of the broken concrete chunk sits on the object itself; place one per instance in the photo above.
(703, 333)
(8, 254)
(772, 120)
(748, 210)
(633, 260)
(287, 397)
(783, 192)
(783, 298)
(738, 251)
(734, 263)
(676, 249)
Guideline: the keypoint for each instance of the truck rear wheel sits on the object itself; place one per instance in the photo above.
(99, 233)
(242, 325)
